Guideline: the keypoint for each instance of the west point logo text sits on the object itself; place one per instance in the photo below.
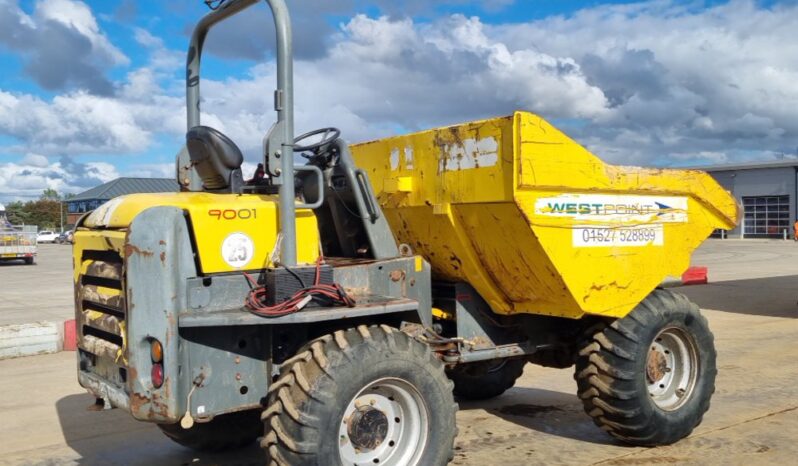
(607, 209)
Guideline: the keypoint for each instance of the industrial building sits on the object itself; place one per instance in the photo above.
(767, 192)
(95, 197)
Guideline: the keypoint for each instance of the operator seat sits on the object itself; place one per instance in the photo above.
(216, 158)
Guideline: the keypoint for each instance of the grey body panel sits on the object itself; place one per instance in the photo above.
(237, 317)
(378, 287)
(159, 262)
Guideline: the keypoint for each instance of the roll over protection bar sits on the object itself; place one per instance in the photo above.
(280, 139)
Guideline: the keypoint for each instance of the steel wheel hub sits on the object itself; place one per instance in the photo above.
(656, 366)
(367, 428)
(671, 368)
(386, 423)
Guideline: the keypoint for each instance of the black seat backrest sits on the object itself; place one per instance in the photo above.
(216, 158)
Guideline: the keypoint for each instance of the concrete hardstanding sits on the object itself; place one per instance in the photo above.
(41, 292)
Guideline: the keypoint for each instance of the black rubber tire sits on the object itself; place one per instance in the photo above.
(307, 403)
(29, 261)
(611, 372)
(225, 432)
(484, 380)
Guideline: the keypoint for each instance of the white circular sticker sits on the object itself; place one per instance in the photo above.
(237, 250)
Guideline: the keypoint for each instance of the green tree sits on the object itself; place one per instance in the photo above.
(50, 194)
(15, 212)
(46, 212)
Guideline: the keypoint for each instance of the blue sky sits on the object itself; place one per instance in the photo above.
(91, 90)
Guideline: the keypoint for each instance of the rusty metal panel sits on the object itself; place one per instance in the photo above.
(158, 260)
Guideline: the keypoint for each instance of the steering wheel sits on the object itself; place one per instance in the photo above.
(329, 135)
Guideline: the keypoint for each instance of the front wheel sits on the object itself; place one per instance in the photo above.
(647, 378)
(371, 395)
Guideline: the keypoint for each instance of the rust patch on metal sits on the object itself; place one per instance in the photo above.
(397, 275)
(137, 401)
(131, 249)
(656, 366)
(153, 408)
(479, 341)
(163, 256)
(159, 408)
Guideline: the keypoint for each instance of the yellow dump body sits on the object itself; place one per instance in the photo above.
(535, 222)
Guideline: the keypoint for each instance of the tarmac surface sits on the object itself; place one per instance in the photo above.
(32, 293)
(751, 304)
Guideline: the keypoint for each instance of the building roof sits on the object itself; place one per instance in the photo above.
(122, 186)
(786, 163)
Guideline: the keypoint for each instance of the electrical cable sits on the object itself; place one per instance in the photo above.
(334, 294)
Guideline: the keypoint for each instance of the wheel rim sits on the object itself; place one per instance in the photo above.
(671, 368)
(386, 423)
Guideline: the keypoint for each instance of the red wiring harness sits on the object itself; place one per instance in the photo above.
(333, 294)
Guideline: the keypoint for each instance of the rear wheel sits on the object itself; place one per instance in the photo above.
(224, 432)
(29, 260)
(487, 379)
(371, 395)
(647, 378)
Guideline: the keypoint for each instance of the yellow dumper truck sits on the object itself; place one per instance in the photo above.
(336, 309)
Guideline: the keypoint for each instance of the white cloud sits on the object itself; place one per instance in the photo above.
(384, 75)
(60, 45)
(79, 16)
(72, 124)
(35, 160)
(161, 58)
(29, 177)
(707, 81)
(152, 170)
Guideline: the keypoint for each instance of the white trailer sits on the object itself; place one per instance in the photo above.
(18, 243)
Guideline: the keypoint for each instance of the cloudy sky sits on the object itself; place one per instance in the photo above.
(92, 90)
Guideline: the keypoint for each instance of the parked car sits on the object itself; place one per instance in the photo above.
(46, 237)
(64, 238)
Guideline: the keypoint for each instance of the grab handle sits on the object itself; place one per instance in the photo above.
(367, 193)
